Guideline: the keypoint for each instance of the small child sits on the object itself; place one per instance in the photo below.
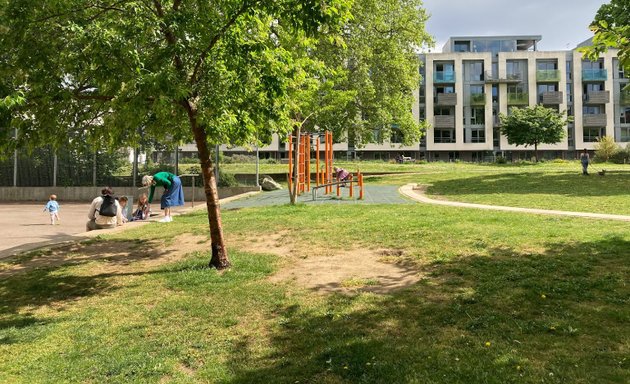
(52, 207)
(143, 211)
(123, 200)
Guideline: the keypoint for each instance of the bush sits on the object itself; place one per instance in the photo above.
(501, 160)
(271, 161)
(622, 156)
(227, 180)
(605, 149)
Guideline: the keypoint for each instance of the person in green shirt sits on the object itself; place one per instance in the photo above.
(173, 195)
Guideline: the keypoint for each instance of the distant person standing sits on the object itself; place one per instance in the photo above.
(52, 207)
(173, 195)
(585, 160)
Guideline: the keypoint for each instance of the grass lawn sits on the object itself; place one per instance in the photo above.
(502, 298)
(547, 186)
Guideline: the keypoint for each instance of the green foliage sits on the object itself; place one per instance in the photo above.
(367, 76)
(612, 30)
(605, 149)
(227, 179)
(118, 74)
(532, 126)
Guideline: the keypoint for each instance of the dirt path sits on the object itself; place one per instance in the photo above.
(416, 192)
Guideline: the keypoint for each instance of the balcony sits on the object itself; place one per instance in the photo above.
(446, 99)
(518, 98)
(551, 98)
(594, 75)
(510, 78)
(444, 121)
(597, 97)
(444, 77)
(548, 75)
(597, 120)
(624, 98)
(478, 99)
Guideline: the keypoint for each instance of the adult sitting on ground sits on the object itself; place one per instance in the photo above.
(173, 195)
(105, 211)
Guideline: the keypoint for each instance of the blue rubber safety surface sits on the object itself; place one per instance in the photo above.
(373, 194)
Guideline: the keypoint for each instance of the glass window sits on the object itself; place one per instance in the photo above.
(477, 116)
(478, 135)
(546, 65)
(592, 87)
(508, 46)
(495, 93)
(569, 93)
(624, 115)
(443, 136)
(591, 135)
(625, 134)
(591, 110)
(476, 89)
(474, 70)
(444, 89)
(569, 73)
(515, 89)
(587, 64)
(462, 46)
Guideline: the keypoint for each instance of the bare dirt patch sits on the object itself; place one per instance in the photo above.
(348, 271)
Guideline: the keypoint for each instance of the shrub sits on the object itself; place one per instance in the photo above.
(271, 161)
(501, 160)
(227, 179)
(605, 149)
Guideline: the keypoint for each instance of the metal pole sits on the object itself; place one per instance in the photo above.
(216, 163)
(134, 170)
(94, 169)
(54, 170)
(177, 160)
(15, 162)
(257, 168)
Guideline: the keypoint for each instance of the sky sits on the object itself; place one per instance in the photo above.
(563, 24)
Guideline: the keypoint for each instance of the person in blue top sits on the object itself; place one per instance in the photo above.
(52, 207)
(173, 195)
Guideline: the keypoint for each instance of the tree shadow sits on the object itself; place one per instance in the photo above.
(566, 184)
(559, 315)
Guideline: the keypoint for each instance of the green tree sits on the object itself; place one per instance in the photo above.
(606, 148)
(612, 30)
(375, 69)
(532, 126)
(212, 71)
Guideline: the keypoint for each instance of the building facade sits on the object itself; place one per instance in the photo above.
(465, 87)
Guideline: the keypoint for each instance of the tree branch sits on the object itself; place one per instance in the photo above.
(215, 39)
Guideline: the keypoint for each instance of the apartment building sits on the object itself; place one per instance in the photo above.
(474, 78)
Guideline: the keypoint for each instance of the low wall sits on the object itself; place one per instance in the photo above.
(87, 194)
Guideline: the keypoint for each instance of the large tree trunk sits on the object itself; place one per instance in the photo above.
(219, 258)
(536, 152)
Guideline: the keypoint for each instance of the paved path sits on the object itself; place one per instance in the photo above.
(373, 194)
(411, 191)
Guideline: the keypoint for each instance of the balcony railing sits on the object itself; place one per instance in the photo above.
(510, 78)
(595, 120)
(444, 77)
(444, 121)
(446, 99)
(624, 98)
(551, 98)
(478, 99)
(550, 75)
(597, 97)
(594, 74)
(518, 98)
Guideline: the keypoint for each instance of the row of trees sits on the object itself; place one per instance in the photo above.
(112, 73)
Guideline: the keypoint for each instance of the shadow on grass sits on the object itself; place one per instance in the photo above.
(556, 316)
(566, 184)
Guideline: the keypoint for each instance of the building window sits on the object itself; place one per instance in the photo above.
(543, 88)
(546, 65)
(591, 110)
(442, 111)
(474, 70)
(478, 135)
(591, 135)
(477, 116)
(495, 93)
(569, 72)
(624, 115)
(625, 134)
(443, 135)
(569, 93)
(592, 87)
(515, 69)
(496, 137)
(587, 64)
(461, 46)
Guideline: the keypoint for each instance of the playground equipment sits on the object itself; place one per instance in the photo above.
(325, 176)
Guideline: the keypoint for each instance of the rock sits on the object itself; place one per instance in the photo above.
(269, 184)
